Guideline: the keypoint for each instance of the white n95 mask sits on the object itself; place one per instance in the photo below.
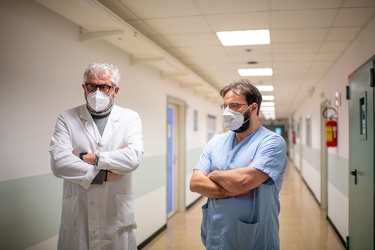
(233, 120)
(98, 100)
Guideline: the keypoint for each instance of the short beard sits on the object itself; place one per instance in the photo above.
(246, 124)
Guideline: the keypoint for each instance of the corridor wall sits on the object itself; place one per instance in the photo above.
(336, 80)
(42, 62)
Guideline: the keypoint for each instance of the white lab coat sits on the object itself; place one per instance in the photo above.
(97, 216)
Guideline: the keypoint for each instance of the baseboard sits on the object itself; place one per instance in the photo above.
(152, 237)
(336, 231)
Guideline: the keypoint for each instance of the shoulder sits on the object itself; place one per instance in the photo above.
(75, 111)
(269, 136)
(124, 113)
(123, 110)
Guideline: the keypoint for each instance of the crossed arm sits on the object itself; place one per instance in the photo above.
(226, 183)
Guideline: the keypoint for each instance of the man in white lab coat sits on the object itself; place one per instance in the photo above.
(94, 149)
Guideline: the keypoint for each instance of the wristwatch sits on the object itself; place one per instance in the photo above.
(81, 155)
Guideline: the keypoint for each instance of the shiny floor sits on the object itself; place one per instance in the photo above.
(303, 226)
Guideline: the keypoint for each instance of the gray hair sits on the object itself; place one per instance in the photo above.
(95, 70)
(244, 86)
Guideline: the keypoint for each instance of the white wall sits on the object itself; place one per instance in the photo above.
(42, 62)
(336, 80)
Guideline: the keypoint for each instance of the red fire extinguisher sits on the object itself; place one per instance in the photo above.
(331, 133)
(294, 137)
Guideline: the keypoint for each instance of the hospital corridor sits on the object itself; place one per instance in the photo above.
(303, 225)
(118, 156)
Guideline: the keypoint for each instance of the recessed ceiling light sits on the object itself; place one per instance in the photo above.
(267, 104)
(255, 72)
(264, 88)
(244, 37)
(267, 108)
(268, 97)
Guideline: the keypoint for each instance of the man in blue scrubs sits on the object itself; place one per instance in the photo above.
(241, 172)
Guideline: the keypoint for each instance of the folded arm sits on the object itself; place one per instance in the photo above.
(200, 183)
(240, 180)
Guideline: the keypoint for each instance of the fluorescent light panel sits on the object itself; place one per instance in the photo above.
(264, 88)
(267, 108)
(268, 104)
(268, 97)
(244, 37)
(255, 72)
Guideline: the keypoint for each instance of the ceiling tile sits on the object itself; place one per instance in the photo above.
(233, 6)
(295, 47)
(239, 21)
(304, 4)
(203, 51)
(353, 17)
(191, 40)
(298, 35)
(179, 25)
(305, 57)
(291, 65)
(343, 34)
(327, 56)
(334, 46)
(209, 59)
(302, 18)
(359, 3)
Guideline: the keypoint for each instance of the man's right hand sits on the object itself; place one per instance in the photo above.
(112, 176)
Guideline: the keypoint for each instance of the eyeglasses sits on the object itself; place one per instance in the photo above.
(91, 87)
(232, 106)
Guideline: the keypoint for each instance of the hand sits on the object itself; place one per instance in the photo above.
(112, 176)
(89, 158)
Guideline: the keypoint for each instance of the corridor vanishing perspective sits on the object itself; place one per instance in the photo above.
(303, 225)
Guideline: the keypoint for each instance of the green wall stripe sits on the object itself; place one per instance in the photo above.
(312, 156)
(30, 210)
(192, 157)
(150, 175)
(338, 168)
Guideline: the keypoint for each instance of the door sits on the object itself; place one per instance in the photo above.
(361, 158)
(172, 180)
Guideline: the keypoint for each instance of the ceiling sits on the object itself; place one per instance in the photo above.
(178, 37)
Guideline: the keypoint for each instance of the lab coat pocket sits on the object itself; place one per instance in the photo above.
(69, 215)
(246, 234)
(125, 210)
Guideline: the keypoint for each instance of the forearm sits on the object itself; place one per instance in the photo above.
(240, 180)
(201, 184)
(120, 161)
(228, 181)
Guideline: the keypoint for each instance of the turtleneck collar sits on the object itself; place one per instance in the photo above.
(102, 114)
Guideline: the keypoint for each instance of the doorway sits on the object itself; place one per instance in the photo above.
(175, 157)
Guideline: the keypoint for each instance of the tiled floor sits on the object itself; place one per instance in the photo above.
(303, 226)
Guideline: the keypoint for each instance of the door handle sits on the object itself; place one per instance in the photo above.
(355, 175)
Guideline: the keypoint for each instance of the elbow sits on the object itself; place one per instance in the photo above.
(192, 186)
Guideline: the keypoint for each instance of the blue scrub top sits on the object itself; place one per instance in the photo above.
(248, 221)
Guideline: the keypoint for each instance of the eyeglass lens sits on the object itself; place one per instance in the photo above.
(91, 87)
